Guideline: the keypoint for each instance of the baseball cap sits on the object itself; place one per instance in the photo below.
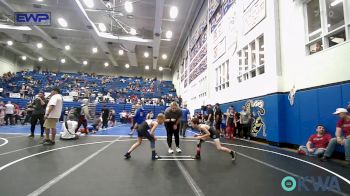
(340, 110)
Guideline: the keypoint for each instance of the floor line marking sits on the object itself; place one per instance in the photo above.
(194, 186)
(16, 136)
(55, 149)
(295, 158)
(174, 156)
(20, 149)
(284, 171)
(161, 159)
(52, 182)
(5, 141)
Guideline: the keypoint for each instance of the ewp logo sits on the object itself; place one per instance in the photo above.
(33, 18)
(315, 183)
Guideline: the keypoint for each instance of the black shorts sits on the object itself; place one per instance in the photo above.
(142, 129)
(213, 133)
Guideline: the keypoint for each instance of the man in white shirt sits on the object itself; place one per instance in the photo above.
(52, 114)
(9, 110)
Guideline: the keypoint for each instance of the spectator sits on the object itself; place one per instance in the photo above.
(38, 113)
(185, 117)
(104, 115)
(210, 113)
(149, 115)
(2, 113)
(218, 118)
(342, 134)
(317, 143)
(245, 119)
(68, 129)
(52, 114)
(9, 111)
(231, 123)
(111, 118)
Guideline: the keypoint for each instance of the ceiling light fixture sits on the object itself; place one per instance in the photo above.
(40, 59)
(106, 64)
(128, 7)
(164, 56)
(146, 54)
(94, 50)
(39, 45)
(169, 34)
(63, 60)
(85, 62)
(10, 43)
(102, 27)
(160, 68)
(89, 3)
(127, 66)
(62, 22)
(133, 31)
(173, 12)
(24, 58)
(147, 67)
(121, 52)
(336, 2)
(67, 47)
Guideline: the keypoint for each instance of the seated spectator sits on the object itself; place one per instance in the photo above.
(68, 129)
(149, 115)
(317, 143)
(342, 134)
(97, 123)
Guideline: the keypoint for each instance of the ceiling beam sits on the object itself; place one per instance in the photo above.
(157, 31)
(95, 33)
(41, 33)
(21, 53)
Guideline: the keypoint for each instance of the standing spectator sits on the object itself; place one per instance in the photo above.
(173, 118)
(184, 120)
(138, 118)
(245, 119)
(317, 143)
(38, 113)
(230, 123)
(104, 115)
(342, 136)
(218, 118)
(9, 111)
(210, 113)
(84, 115)
(112, 118)
(2, 113)
(52, 114)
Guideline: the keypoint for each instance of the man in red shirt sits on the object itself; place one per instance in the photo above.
(342, 136)
(317, 143)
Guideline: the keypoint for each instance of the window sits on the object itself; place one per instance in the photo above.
(325, 24)
(222, 76)
(251, 60)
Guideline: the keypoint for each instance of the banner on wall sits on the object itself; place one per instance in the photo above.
(254, 15)
(215, 21)
(226, 5)
(213, 6)
(15, 95)
(232, 28)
